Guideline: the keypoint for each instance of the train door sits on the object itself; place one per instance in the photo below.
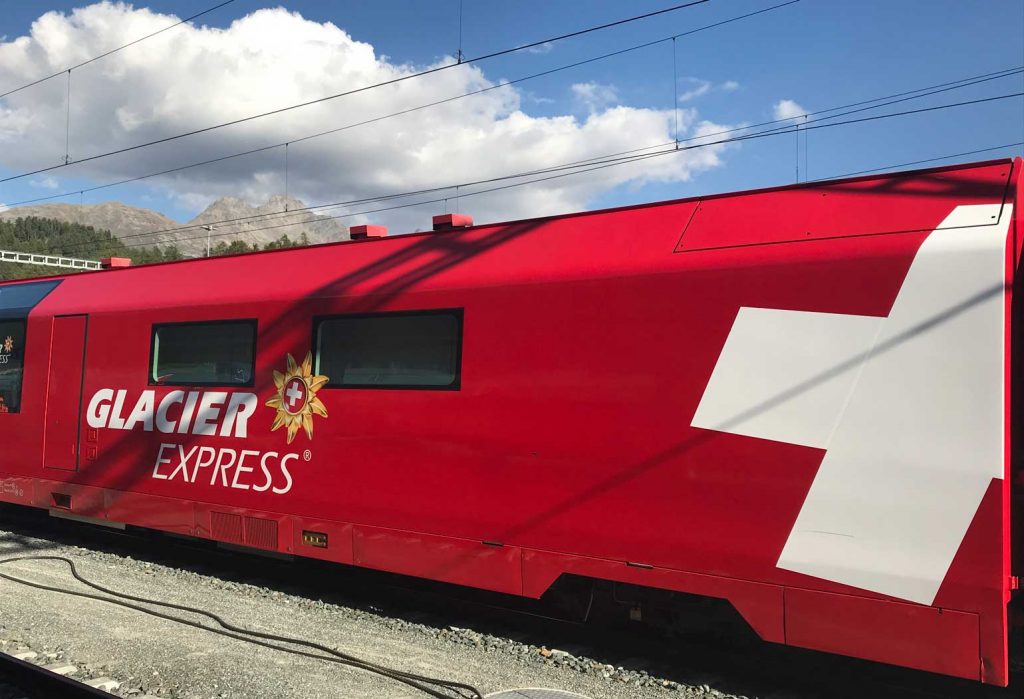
(64, 393)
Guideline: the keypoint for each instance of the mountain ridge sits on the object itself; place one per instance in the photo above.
(133, 224)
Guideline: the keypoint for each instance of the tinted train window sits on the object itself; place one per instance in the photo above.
(204, 354)
(12, 362)
(391, 350)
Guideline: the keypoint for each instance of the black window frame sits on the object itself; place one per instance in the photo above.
(455, 385)
(151, 369)
(24, 357)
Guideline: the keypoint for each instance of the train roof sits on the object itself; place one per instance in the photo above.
(857, 206)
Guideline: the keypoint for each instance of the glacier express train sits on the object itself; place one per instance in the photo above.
(803, 401)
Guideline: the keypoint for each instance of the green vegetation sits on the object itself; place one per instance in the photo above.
(52, 237)
(236, 247)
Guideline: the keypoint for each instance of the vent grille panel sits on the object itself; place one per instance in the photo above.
(226, 527)
(261, 532)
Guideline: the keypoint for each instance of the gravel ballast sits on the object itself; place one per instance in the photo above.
(158, 657)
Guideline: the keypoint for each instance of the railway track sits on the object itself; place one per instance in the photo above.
(697, 666)
(23, 676)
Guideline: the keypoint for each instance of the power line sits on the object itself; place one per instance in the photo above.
(615, 161)
(875, 104)
(614, 158)
(924, 93)
(621, 161)
(401, 195)
(612, 162)
(458, 56)
(920, 162)
(410, 110)
(111, 51)
(936, 107)
(67, 122)
(915, 94)
(365, 88)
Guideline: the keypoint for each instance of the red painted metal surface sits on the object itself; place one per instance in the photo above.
(588, 343)
(64, 392)
(367, 231)
(760, 604)
(889, 632)
(444, 558)
(444, 222)
(914, 202)
(115, 262)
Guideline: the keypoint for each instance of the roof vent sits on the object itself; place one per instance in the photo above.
(367, 231)
(446, 222)
(114, 262)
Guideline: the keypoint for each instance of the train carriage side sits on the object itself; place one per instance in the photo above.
(796, 400)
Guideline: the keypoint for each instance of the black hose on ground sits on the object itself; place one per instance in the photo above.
(438, 688)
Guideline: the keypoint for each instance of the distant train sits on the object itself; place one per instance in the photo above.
(803, 401)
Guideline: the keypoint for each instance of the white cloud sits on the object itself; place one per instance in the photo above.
(45, 183)
(536, 99)
(701, 87)
(546, 47)
(594, 96)
(193, 77)
(788, 109)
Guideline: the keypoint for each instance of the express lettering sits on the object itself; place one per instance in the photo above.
(228, 468)
(208, 413)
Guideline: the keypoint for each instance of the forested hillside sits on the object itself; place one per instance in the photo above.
(52, 237)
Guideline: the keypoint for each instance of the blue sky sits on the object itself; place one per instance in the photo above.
(818, 53)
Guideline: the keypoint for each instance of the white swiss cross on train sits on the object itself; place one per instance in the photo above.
(909, 409)
(295, 394)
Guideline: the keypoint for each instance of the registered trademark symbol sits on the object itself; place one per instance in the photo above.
(307, 455)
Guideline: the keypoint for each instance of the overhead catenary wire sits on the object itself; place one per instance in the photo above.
(796, 128)
(114, 50)
(924, 161)
(732, 130)
(875, 103)
(807, 169)
(438, 200)
(67, 121)
(612, 162)
(460, 54)
(622, 157)
(364, 88)
(675, 94)
(427, 685)
(918, 93)
(390, 115)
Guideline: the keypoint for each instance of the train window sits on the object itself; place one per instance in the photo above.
(218, 353)
(12, 362)
(391, 350)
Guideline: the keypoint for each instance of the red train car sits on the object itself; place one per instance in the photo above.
(799, 400)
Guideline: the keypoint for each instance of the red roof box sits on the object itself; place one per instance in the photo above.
(445, 222)
(113, 262)
(367, 231)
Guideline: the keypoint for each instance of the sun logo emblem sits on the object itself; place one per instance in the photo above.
(295, 400)
(8, 345)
